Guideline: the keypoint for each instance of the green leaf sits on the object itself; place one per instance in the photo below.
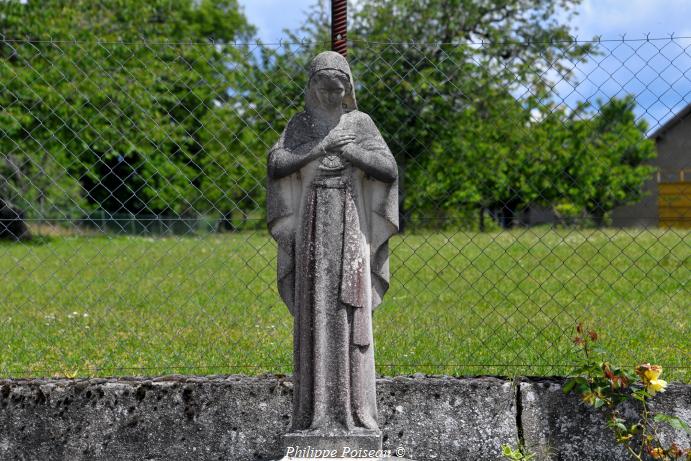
(640, 395)
(673, 421)
(582, 387)
(568, 387)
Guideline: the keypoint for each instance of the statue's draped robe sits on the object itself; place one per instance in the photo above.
(332, 229)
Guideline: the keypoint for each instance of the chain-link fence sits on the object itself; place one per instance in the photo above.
(535, 194)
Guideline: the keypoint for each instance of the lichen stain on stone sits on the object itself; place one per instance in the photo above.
(40, 398)
(140, 393)
(190, 404)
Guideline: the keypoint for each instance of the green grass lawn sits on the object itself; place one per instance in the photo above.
(459, 304)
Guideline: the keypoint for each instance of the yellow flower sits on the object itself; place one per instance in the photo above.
(649, 375)
(655, 386)
(652, 373)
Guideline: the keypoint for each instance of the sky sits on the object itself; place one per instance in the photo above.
(608, 18)
(272, 16)
(657, 72)
(634, 18)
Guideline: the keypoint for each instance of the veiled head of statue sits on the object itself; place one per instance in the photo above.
(330, 83)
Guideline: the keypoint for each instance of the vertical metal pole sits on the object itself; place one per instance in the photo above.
(339, 26)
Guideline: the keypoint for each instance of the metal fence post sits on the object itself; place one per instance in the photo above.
(339, 26)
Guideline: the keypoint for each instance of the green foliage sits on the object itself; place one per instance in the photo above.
(601, 385)
(599, 158)
(448, 103)
(466, 108)
(515, 454)
(111, 107)
(674, 422)
(567, 213)
(149, 107)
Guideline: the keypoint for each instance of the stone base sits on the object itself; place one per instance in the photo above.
(364, 444)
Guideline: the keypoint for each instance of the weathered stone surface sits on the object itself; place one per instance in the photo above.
(676, 401)
(225, 418)
(559, 427)
(238, 418)
(446, 418)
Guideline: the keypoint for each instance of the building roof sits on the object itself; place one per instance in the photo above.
(672, 122)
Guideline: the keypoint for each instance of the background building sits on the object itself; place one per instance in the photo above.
(667, 202)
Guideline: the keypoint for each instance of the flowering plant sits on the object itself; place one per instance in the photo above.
(602, 385)
(649, 377)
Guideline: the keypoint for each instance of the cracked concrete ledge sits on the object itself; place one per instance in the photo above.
(559, 427)
(242, 418)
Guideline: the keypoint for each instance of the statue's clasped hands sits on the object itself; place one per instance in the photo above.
(336, 140)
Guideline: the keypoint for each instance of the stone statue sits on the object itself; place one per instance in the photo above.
(332, 206)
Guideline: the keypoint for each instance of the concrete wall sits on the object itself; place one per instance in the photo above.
(239, 418)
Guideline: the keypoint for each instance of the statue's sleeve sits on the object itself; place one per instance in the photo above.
(282, 204)
(381, 203)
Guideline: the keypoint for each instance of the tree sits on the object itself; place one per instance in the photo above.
(442, 69)
(602, 158)
(107, 104)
